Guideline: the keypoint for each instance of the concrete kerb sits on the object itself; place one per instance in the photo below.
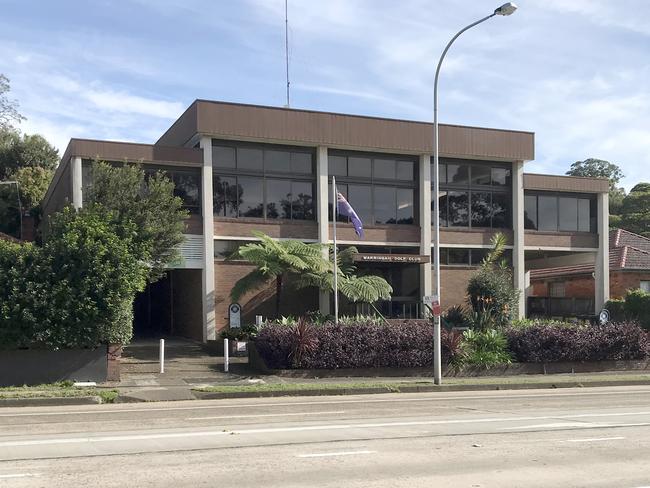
(49, 401)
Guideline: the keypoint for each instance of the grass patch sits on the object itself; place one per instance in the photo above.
(62, 389)
(387, 386)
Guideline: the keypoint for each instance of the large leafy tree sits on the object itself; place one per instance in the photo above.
(635, 210)
(276, 260)
(352, 285)
(142, 209)
(600, 168)
(8, 108)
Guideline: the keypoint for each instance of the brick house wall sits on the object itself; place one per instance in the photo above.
(621, 281)
(583, 286)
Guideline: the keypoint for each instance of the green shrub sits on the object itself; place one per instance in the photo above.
(485, 348)
(637, 307)
(454, 317)
(490, 291)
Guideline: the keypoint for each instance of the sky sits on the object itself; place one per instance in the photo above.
(575, 72)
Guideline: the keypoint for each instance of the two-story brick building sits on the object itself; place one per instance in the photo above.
(240, 168)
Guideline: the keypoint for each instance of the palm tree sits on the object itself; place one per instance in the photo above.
(276, 259)
(365, 288)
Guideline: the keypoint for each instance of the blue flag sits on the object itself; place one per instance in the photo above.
(344, 208)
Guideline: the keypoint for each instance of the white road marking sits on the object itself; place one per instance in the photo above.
(329, 454)
(596, 439)
(416, 423)
(292, 414)
(554, 426)
(434, 397)
(19, 475)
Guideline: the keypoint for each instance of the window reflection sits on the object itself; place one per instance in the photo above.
(405, 208)
(251, 201)
(481, 209)
(278, 199)
(458, 208)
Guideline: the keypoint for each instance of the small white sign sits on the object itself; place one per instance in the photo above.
(430, 299)
(234, 315)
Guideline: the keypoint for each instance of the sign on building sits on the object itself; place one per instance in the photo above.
(391, 258)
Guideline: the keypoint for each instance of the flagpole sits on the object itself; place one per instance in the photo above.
(334, 215)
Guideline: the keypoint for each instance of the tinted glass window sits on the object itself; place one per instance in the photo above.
(568, 214)
(500, 209)
(338, 165)
(481, 209)
(584, 215)
(360, 198)
(225, 249)
(251, 196)
(405, 170)
(250, 159)
(442, 169)
(458, 174)
(277, 161)
(405, 210)
(458, 208)
(481, 175)
(384, 205)
(360, 167)
(302, 163)
(547, 213)
(343, 190)
(530, 212)
(501, 177)
(223, 157)
(302, 205)
(444, 256)
(384, 169)
(458, 256)
(225, 196)
(278, 199)
(442, 201)
(477, 256)
(187, 186)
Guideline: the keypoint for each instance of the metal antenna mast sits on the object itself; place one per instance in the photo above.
(286, 43)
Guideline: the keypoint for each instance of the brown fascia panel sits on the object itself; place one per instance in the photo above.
(559, 183)
(273, 124)
(120, 151)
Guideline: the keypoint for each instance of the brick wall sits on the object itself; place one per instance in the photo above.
(620, 282)
(259, 302)
(453, 284)
(284, 229)
(584, 286)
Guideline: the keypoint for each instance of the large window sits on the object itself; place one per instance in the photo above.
(381, 189)
(559, 212)
(463, 256)
(474, 194)
(263, 181)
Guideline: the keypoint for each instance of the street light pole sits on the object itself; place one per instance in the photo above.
(505, 9)
(20, 206)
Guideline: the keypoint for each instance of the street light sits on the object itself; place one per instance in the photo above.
(504, 10)
(20, 207)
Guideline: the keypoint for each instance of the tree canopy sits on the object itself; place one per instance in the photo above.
(142, 209)
(8, 108)
(598, 168)
(635, 210)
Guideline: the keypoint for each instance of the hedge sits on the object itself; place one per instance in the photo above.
(553, 343)
(410, 344)
(360, 345)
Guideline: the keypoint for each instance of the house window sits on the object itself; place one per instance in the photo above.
(556, 290)
(645, 286)
(550, 212)
(380, 188)
(474, 195)
(263, 181)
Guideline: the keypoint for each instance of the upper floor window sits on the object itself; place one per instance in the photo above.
(474, 195)
(553, 212)
(381, 188)
(263, 181)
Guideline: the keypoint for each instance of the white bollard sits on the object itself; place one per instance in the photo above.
(226, 355)
(162, 356)
(258, 320)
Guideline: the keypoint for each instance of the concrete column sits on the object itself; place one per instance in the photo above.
(602, 256)
(76, 182)
(208, 284)
(426, 273)
(518, 256)
(322, 194)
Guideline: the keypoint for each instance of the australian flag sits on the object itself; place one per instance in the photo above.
(343, 207)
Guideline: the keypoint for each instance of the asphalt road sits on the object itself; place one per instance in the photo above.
(597, 437)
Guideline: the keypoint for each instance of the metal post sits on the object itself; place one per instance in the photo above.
(336, 272)
(437, 365)
(162, 356)
(226, 355)
(258, 320)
